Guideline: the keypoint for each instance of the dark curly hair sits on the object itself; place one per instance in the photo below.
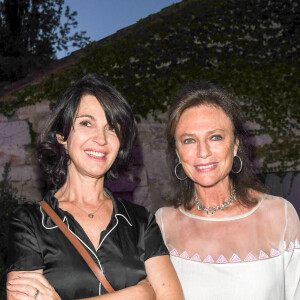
(51, 154)
(207, 93)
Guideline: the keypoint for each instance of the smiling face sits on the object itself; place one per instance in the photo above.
(205, 144)
(92, 144)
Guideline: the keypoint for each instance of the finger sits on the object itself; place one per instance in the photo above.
(20, 296)
(37, 276)
(26, 282)
(22, 289)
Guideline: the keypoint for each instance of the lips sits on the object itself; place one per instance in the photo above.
(206, 167)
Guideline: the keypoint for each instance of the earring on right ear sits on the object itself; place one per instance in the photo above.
(175, 171)
(241, 166)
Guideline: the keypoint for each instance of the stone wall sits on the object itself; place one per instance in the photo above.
(16, 138)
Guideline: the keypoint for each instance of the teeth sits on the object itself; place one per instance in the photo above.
(95, 154)
(205, 167)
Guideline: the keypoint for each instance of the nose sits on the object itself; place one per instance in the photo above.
(203, 149)
(100, 136)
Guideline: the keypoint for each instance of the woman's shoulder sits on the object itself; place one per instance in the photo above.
(277, 206)
(275, 202)
(25, 210)
(25, 215)
(166, 210)
(167, 214)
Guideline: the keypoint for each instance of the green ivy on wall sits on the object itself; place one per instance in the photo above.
(251, 47)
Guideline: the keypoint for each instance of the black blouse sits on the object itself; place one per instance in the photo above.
(131, 237)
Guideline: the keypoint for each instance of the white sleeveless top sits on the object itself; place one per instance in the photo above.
(254, 256)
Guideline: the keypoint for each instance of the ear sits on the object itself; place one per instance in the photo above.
(177, 155)
(61, 140)
(236, 146)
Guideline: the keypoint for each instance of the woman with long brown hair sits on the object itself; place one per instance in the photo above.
(228, 239)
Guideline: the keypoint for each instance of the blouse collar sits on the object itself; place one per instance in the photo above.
(119, 208)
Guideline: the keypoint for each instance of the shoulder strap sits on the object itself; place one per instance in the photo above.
(79, 247)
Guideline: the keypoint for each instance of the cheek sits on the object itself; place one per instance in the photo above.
(72, 142)
(224, 151)
(185, 153)
(115, 144)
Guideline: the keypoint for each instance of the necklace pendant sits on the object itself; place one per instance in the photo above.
(91, 216)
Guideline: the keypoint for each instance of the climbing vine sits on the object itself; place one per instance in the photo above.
(251, 47)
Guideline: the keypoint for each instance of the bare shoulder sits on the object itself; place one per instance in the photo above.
(166, 212)
(274, 207)
(167, 215)
(266, 199)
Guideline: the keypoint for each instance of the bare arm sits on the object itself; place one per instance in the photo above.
(23, 286)
(143, 290)
(163, 278)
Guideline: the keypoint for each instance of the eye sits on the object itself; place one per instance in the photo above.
(85, 123)
(188, 141)
(216, 137)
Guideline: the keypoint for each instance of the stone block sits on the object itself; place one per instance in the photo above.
(27, 190)
(155, 162)
(22, 173)
(17, 155)
(36, 114)
(3, 118)
(140, 176)
(122, 184)
(142, 197)
(137, 153)
(14, 133)
(29, 112)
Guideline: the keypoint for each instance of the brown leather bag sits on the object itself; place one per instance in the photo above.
(76, 243)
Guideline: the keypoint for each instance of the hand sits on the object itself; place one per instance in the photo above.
(30, 286)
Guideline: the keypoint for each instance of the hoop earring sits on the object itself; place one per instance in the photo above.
(175, 171)
(241, 167)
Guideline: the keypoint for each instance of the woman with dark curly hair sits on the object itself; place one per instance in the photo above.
(227, 238)
(88, 137)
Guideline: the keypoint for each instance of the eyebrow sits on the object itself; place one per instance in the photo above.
(208, 132)
(85, 116)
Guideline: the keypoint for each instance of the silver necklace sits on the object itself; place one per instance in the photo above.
(90, 215)
(213, 209)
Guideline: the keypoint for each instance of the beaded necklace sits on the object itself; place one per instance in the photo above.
(211, 209)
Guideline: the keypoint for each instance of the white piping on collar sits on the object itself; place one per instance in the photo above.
(116, 215)
(43, 221)
(129, 222)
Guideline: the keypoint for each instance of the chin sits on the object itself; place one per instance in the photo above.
(208, 182)
(96, 173)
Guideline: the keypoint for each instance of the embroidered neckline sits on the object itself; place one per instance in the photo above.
(235, 258)
(225, 219)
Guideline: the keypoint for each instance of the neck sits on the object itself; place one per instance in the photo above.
(214, 195)
(82, 190)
